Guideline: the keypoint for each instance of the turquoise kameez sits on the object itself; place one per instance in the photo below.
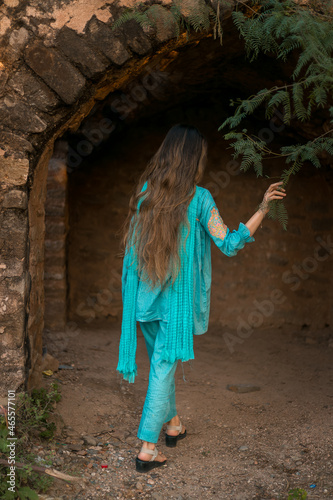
(152, 310)
(152, 304)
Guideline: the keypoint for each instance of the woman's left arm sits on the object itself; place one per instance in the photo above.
(274, 192)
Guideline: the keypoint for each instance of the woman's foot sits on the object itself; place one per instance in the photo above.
(146, 457)
(176, 422)
(175, 431)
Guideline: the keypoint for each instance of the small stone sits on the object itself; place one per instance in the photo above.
(75, 447)
(15, 199)
(139, 486)
(89, 440)
(243, 388)
(151, 481)
(299, 462)
(243, 448)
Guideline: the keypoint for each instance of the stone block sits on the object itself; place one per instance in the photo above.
(19, 38)
(35, 91)
(164, 22)
(135, 38)
(55, 273)
(15, 199)
(55, 285)
(55, 258)
(10, 303)
(11, 268)
(15, 143)
(56, 71)
(12, 363)
(76, 49)
(110, 43)
(13, 171)
(13, 234)
(54, 228)
(16, 115)
(17, 285)
(55, 245)
(13, 336)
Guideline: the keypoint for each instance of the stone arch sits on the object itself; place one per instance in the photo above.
(54, 68)
(53, 72)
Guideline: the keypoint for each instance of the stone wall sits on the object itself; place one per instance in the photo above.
(54, 66)
(56, 229)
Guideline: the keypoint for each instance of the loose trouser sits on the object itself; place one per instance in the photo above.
(160, 403)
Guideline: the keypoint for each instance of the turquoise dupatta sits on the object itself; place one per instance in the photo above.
(179, 333)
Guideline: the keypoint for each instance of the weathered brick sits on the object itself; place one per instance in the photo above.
(13, 235)
(15, 199)
(56, 71)
(13, 171)
(71, 44)
(10, 268)
(10, 304)
(15, 143)
(135, 38)
(16, 115)
(111, 44)
(37, 93)
(164, 22)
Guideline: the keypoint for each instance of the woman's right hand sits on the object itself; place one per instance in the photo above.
(274, 192)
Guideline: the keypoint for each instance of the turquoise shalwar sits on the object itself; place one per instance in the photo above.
(152, 311)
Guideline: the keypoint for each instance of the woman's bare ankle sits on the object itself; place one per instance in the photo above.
(146, 444)
(174, 421)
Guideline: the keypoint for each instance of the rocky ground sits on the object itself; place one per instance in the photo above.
(240, 446)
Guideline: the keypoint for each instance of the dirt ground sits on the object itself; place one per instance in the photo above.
(240, 446)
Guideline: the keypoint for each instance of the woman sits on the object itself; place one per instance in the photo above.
(166, 277)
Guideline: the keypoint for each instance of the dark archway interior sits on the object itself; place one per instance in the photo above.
(196, 87)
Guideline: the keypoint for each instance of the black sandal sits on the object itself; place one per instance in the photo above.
(147, 465)
(171, 441)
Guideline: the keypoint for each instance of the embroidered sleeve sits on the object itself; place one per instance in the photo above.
(216, 225)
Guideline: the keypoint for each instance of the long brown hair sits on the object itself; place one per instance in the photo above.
(171, 176)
